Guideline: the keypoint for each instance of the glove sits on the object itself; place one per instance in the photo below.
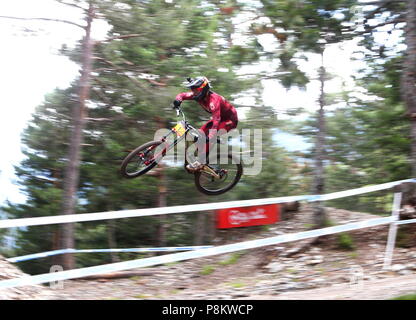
(176, 104)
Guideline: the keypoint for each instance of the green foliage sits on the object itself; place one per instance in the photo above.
(406, 297)
(345, 241)
(300, 26)
(232, 259)
(239, 55)
(207, 270)
(328, 223)
(368, 141)
(237, 284)
(135, 80)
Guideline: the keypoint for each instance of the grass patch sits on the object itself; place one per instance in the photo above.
(345, 241)
(265, 228)
(142, 296)
(237, 284)
(406, 297)
(206, 270)
(353, 255)
(232, 259)
(291, 270)
(329, 223)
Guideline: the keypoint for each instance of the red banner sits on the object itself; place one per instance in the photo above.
(248, 216)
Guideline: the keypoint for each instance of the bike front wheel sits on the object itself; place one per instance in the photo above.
(220, 177)
(141, 160)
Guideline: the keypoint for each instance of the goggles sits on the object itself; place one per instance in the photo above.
(200, 88)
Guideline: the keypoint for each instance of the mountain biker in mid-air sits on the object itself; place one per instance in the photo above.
(224, 115)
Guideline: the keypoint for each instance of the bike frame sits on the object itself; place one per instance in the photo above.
(178, 134)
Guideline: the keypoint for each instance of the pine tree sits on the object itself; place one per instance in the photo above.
(133, 77)
(369, 140)
(41, 173)
(305, 27)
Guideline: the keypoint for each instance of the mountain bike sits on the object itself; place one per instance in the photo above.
(220, 172)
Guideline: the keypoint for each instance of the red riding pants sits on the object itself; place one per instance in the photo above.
(226, 125)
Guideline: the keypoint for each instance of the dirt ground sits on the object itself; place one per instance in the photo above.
(379, 289)
(311, 269)
(308, 269)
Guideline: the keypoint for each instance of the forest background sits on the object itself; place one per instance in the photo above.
(76, 138)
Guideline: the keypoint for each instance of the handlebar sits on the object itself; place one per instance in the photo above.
(179, 111)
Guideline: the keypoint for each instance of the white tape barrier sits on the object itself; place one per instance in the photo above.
(70, 250)
(147, 262)
(405, 221)
(82, 217)
(354, 192)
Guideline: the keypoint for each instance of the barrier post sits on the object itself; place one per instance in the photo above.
(391, 240)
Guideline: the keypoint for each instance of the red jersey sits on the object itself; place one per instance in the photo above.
(221, 110)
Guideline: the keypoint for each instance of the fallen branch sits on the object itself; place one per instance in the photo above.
(119, 275)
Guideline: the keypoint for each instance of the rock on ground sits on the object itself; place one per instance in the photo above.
(35, 292)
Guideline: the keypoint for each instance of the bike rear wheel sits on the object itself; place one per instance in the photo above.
(141, 160)
(230, 173)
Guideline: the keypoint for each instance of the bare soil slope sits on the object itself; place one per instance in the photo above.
(331, 267)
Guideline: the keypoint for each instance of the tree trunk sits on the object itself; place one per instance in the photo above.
(162, 197)
(409, 77)
(162, 202)
(111, 237)
(413, 147)
(199, 234)
(74, 157)
(319, 183)
(200, 226)
(212, 225)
